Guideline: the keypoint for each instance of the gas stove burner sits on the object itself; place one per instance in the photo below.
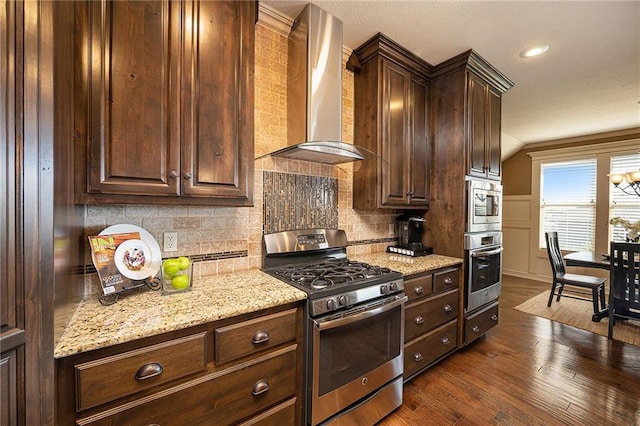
(318, 276)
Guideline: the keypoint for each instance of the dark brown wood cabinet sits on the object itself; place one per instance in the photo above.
(216, 373)
(484, 128)
(432, 318)
(164, 102)
(392, 125)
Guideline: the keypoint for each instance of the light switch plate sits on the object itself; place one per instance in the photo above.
(170, 241)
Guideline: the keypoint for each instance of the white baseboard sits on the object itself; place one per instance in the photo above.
(525, 275)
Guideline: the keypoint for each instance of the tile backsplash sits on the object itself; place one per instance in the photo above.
(229, 239)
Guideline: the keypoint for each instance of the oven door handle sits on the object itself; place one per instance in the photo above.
(486, 253)
(348, 319)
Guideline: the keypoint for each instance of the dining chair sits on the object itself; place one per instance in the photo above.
(624, 283)
(581, 287)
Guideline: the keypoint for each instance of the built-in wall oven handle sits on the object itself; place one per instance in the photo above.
(486, 253)
(348, 319)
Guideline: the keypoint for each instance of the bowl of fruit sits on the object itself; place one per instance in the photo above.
(176, 275)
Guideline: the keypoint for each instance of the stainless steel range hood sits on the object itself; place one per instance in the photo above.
(314, 90)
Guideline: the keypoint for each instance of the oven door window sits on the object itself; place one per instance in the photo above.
(348, 351)
(486, 204)
(485, 270)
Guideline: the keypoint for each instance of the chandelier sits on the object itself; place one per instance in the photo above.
(631, 179)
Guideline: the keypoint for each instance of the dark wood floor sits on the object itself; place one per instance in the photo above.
(528, 371)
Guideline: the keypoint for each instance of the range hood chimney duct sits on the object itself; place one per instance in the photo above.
(314, 90)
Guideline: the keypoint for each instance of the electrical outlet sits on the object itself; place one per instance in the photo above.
(392, 229)
(170, 241)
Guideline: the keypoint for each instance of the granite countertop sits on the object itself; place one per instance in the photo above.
(147, 313)
(408, 265)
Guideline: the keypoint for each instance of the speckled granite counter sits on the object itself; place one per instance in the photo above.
(147, 313)
(408, 265)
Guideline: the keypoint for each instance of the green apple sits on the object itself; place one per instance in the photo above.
(180, 282)
(183, 262)
(170, 268)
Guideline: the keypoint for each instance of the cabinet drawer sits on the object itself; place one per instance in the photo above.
(424, 316)
(248, 337)
(479, 323)
(220, 398)
(418, 287)
(280, 415)
(426, 349)
(106, 379)
(446, 280)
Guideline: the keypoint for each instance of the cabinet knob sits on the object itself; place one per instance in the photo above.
(448, 280)
(475, 328)
(261, 336)
(260, 387)
(419, 290)
(148, 371)
(447, 308)
(417, 357)
(419, 320)
(188, 176)
(494, 317)
(445, 340)
(173, 174)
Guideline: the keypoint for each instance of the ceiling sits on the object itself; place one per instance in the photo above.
(588, 82)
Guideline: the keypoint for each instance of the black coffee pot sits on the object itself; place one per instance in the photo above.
(409, 231)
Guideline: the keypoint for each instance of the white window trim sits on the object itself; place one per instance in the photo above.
(603, 153)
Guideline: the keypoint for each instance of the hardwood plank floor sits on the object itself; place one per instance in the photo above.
(527, 371)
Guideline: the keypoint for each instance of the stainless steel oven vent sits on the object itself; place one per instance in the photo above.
(314, 90)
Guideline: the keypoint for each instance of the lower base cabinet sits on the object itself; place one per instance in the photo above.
(427, 349)
(257, 383)
(478, 323)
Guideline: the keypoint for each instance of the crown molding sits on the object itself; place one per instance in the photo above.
(274, 20)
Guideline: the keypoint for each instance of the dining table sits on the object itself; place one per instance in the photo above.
(587, 259)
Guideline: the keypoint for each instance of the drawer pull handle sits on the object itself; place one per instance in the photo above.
(419, 320)
(261, 336)
(148, 371)
(419, 290)
(494, 317)
(445, 340)
(475, 328)
(417, 357)
(448, 281)
(448, 308)
(260, 387)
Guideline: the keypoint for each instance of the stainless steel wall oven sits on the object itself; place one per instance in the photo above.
(483, 272)
(354, 329)
(484, 206)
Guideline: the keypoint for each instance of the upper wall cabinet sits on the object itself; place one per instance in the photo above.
(391, 121)
(164, 102)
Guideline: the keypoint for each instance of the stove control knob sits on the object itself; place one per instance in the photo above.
(331, 304)
(384, 289)
(393, 286)
(342, 300)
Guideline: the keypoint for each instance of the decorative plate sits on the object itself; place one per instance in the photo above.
(134, 259)
(153, 260)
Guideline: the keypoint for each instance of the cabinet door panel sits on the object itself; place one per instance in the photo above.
(133, 105)
(494, 167)
(476, 126)
(394, 128)
(419, 157)
(219, 114)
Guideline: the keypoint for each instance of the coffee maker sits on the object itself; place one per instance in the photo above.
(409, 229)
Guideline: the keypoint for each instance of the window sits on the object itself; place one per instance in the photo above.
(626, 206)
(568, 202)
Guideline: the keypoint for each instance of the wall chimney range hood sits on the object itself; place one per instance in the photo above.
(314, 90)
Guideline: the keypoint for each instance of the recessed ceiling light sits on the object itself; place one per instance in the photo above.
(536, 50)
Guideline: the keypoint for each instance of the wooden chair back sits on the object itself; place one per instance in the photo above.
(555, 255)
(624, 280)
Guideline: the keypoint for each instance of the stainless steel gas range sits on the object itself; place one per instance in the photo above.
(354, 329)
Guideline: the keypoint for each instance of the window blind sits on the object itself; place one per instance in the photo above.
(623, 205)
(568, 203)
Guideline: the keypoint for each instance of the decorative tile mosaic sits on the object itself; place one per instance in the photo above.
(294, 201)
